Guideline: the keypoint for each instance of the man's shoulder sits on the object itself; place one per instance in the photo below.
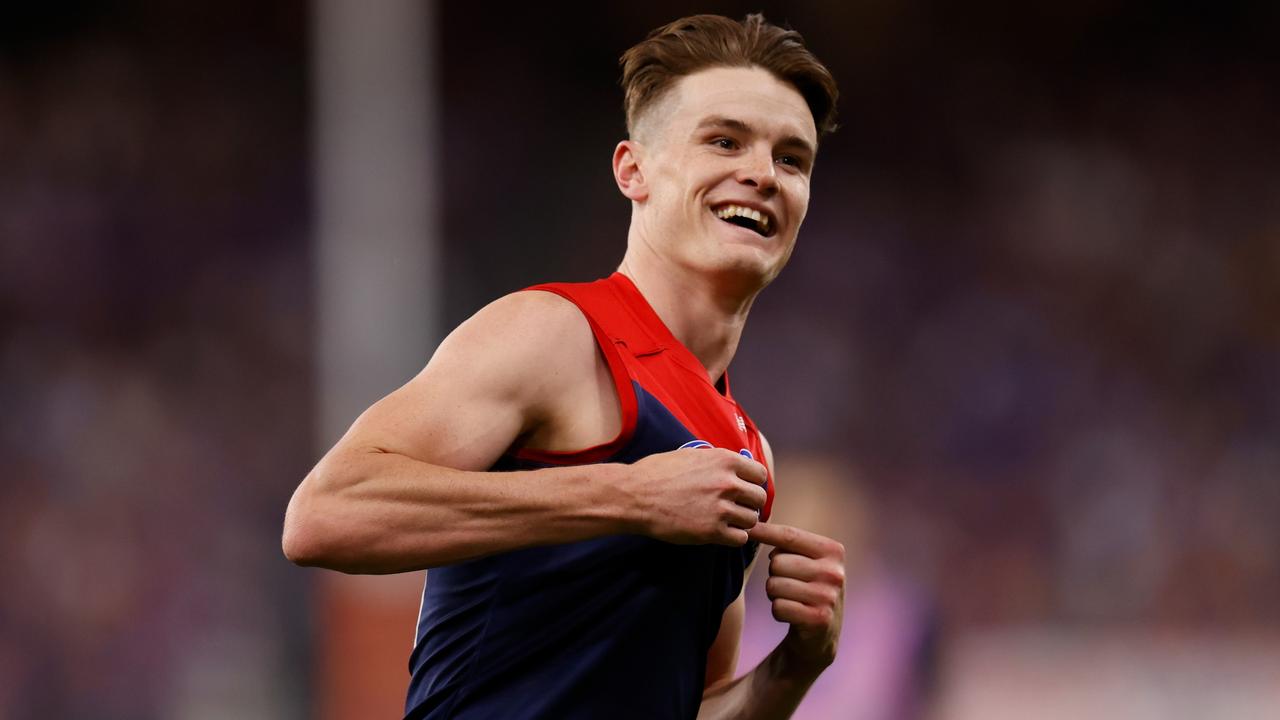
(530, 312)
(527, 329)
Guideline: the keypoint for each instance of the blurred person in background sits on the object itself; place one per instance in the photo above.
(571, 463)
(890, 646)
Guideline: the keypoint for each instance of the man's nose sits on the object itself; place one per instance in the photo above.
(758, 171)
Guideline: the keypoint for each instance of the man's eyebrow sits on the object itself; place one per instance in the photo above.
(717, 121)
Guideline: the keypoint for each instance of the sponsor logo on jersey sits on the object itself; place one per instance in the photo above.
(704, 444)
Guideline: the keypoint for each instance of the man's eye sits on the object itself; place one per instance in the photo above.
(725, 143)
(794, 162)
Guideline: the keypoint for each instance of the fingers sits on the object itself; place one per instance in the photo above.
(808, 594)
(816, 579)
(749, 495)
(795, 540)
(712, 495)
(741, 517)
(800, 614)
(734, 537)
(749, 470)
(799, 567)
(751, 491)
(744, 467)
(814, 594)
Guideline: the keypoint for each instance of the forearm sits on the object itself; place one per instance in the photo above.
(771, 691)
(377, 512)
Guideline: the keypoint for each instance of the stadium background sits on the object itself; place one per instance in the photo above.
(1025, 361)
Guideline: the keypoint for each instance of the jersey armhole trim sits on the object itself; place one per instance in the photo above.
(621, 385)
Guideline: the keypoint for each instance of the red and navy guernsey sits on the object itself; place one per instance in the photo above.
(615, 627)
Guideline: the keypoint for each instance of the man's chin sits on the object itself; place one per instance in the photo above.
(746, 271)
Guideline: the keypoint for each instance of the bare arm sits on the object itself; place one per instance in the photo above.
(403, 489)
(806, 588)
(407, 488)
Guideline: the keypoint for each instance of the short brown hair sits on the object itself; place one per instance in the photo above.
(698, 42)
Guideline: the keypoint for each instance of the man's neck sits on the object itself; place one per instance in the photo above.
(705, 316)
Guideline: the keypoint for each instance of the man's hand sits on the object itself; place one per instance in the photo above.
(806, 586)
(698, 495)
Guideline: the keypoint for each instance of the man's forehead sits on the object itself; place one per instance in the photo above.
(745, 98)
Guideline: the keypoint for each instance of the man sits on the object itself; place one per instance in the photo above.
(571, 464)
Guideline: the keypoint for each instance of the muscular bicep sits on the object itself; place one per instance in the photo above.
(486, 385)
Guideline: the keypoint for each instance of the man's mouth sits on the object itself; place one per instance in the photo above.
(759, 222)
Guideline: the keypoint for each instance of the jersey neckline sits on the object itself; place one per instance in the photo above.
(662, 336)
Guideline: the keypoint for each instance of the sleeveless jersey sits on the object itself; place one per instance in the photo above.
(614, 627)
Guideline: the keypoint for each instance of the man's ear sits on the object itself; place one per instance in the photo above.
(627, 172)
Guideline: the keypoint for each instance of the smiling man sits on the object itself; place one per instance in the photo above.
(571, 464)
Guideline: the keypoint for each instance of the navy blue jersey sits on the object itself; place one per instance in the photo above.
(614, 627)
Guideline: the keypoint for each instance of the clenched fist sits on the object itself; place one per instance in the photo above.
(806, 586)
(696, 496)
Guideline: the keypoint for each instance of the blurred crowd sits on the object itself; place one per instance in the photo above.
(1031, 331)
(154, 367)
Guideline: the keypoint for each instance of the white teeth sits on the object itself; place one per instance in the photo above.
(729, 211)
